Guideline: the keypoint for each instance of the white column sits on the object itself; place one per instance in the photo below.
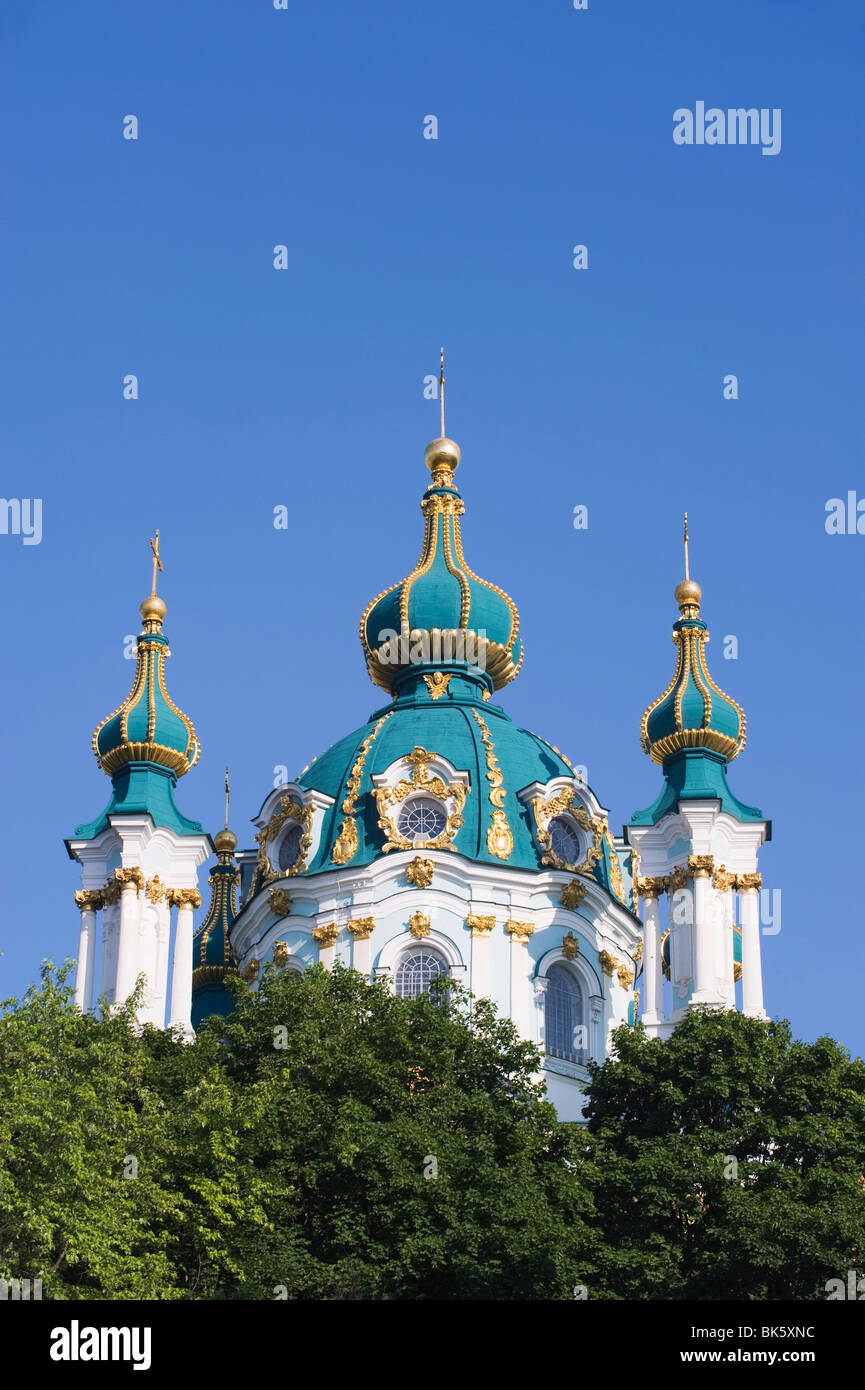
(481, 929)
(186, 900)
(360, 930)
(541, 986)
(752, 969)
(700, 866)
(521, 1002)
(653, 974)
(89, 903)
(131, 882)
(722, 882)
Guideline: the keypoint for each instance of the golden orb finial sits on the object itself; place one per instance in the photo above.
(688, 593)
(152, 612)
(225, 841)
(442, 459)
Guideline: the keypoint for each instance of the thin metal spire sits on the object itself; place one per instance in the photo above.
(685, 538)
(442, 391)
(227, 793)
(157, 563)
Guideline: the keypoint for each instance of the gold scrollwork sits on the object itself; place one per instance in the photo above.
(567, 803)
(649, 887)
(156, 889)
(500, 840)
(345, 845)
(748, 883)
(519, 931)
(130, 878)
(250, 971)
(676, 879)
(570, 946)
(89, 899)
(722, 881)
(183, 897)
(361, 928)
(390, 801)
(607, 962)
(437, 683)
(302, 816)
(325, 936)
(615, 869)
(626, 976)
(700, 865)
(281, 954)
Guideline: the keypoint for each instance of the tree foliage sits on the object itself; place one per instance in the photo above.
(329, 1141)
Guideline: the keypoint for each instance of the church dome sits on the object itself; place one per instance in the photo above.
(693, 712)
(148, 727)
(441, 616)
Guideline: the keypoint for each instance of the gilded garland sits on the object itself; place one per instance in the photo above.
(390, 801)
(345, 846)
(500, 840)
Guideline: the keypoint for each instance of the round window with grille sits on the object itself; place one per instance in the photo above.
(422, 819)
(565, 839)
(289, 848)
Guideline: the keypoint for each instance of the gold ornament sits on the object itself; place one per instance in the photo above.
(748, 883)
(345, 847)
(183, 897)
(156, 889)
(130, 878)
(570, 946)
(721, 880)
(390, 800)
(638, 952)
(566, 802)
(420, 872)
(649, 887)
(572, 894)
(281, 953)
(677, 879)
(111, 893)
(279, 901)
(626, 976)
(89, 899)
(608, 963)
(419, 925)
(289, 811)
(500, 840)
(518, 931)
(250, 971)
(700, 865)
(615, 869)
(437, 683)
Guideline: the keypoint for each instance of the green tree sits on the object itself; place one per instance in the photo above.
(731, 1162)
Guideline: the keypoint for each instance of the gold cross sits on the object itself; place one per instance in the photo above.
(157, 563)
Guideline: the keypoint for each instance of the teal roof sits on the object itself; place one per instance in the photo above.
(449, 726)
(142, 789)
(695, 775)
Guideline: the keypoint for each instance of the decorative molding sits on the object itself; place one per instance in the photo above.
(616, 880)
(281, 953)
(361, 928)
(572, 894)
(325, 936)
(676, 879)
(626, 976)
(721, 880)
(638, 952)
(302, 816)
(570, 946)
(419, 925)
(111, 893)
(519, 931)
(480, 926)
(279, 901)
(420, 872)
(250, 971)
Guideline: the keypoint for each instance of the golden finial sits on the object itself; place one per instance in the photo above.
(153, 608)
(442, 392)
(688, 593)
(224, 841)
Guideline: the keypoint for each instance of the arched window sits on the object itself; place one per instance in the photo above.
(565, 1031)
(289, 848)
(416, 971)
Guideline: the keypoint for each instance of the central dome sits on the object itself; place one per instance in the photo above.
(442, 617)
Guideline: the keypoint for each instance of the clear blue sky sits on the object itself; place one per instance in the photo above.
(304, 388)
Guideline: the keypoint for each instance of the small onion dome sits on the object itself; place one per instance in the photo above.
(692, 712)
(148, 726)
(442, 613)
(212, 956)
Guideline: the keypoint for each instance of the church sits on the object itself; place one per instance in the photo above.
(438, 838)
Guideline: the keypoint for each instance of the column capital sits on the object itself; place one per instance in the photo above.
(480, 926)
(183, 897)
(130, 878)
(749, 883)
(361, 928)
(88, 899)
(676, 879)
(647, 887)
(519, 931)
(325, 936)
(700, 865)
(111, 893)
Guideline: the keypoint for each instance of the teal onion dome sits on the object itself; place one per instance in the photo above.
(442, 616)
(212, 955)
(148, 727)
(693, 712)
